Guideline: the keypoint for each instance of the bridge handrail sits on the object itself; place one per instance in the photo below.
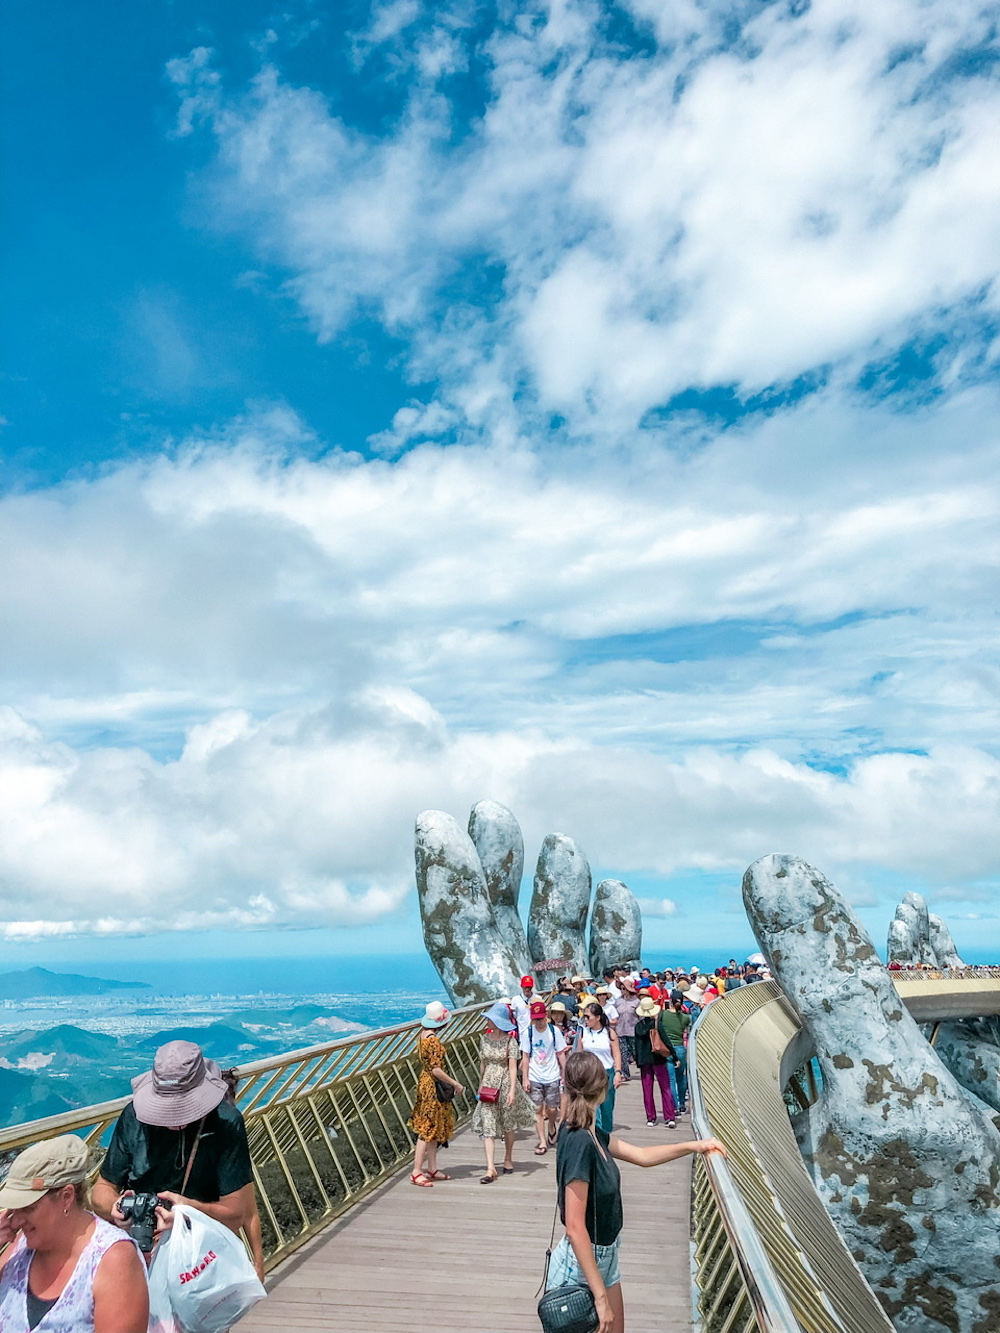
(746, 1282)
(743, 1051)
(326, 1124)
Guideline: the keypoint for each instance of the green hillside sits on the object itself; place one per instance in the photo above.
(67, 1045)
(27, 1097)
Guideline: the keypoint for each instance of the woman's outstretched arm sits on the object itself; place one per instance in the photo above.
(661, 1153)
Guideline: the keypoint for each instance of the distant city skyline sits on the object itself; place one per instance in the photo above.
(587, 407)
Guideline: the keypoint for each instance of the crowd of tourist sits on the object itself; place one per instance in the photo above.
(555, 1063)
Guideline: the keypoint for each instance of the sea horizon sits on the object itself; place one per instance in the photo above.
(335, 975)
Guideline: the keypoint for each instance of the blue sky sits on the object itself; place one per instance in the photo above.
(588, 407)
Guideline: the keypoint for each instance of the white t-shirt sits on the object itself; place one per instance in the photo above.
(610, 1011)
(522, 1012)
(615, 990)
(598, 1040)
(542, 1048)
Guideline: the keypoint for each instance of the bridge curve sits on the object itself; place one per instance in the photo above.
(328, 1136)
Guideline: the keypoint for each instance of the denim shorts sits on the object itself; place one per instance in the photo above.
(563, 1267)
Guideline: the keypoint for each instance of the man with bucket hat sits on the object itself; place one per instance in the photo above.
(183, 1138)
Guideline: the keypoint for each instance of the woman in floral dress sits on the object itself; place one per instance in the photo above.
(499, 1055)
(432, 1121)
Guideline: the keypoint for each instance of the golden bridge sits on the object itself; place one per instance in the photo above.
(742, 1245)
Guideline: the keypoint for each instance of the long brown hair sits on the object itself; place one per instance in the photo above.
(586, 1082)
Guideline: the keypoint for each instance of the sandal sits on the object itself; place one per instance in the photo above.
(540, 1151)
(488, 1179)
(508, 1170)
(421, 1178)
(437, 1175)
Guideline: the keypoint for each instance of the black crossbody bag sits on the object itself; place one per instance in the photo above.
(567, 1309)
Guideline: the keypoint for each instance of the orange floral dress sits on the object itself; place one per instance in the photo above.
(432, 1121)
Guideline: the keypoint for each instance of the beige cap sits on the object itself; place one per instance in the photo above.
(647, 1007)
(44, 1166)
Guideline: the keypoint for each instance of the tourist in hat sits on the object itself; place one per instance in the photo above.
(521, 1005)
(563, 1018)
(588, 1185)
(433, 1117)
(182, 1137)
(542, 1057)
(565, 994)
(625, 1027)
(674, 1024)
(602, 994)
(502, 1116)
(653, 1065)
(64, 1269)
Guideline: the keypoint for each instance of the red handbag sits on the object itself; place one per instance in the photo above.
(489, 1095)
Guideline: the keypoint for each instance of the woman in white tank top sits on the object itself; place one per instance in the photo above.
(599, 1037)
(65, 1270)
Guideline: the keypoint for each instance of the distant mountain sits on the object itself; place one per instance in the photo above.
(220, 1042)
(37, 981)
(299, 1016)
(57, 1047)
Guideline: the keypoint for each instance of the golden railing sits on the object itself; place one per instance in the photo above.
(326, 1125)
(768, 1258)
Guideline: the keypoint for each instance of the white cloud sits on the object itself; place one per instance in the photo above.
(296, 656)
(657, 906)
(705, 214)
(298, 820)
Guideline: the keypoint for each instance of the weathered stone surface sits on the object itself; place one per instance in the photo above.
(497, 838)
(942, 945)
(559, 903)
(460, 930)
(969, 1050)
(615, 927)
(909, 940)
(908, 1167)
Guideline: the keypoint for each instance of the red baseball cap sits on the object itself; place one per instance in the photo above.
(527, 981)
(538, 1009)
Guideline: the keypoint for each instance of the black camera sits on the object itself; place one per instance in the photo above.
(140, 1210)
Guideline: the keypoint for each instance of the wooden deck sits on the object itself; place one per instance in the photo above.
(467, 1258)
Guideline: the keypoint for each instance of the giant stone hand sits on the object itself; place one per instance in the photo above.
(615, 927)
(907, 1165)
(910, 933)
(460, 929)
(970, 1051)
(942, 945)
(558, 915)
(500, 846)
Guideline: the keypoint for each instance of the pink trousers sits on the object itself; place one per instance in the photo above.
(662, 1076)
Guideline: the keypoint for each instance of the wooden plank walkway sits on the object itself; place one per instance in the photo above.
(467, 1258)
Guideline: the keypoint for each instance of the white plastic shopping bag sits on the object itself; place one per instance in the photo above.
(201, 1279)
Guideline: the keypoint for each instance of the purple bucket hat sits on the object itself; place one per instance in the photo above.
(181, 1087)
